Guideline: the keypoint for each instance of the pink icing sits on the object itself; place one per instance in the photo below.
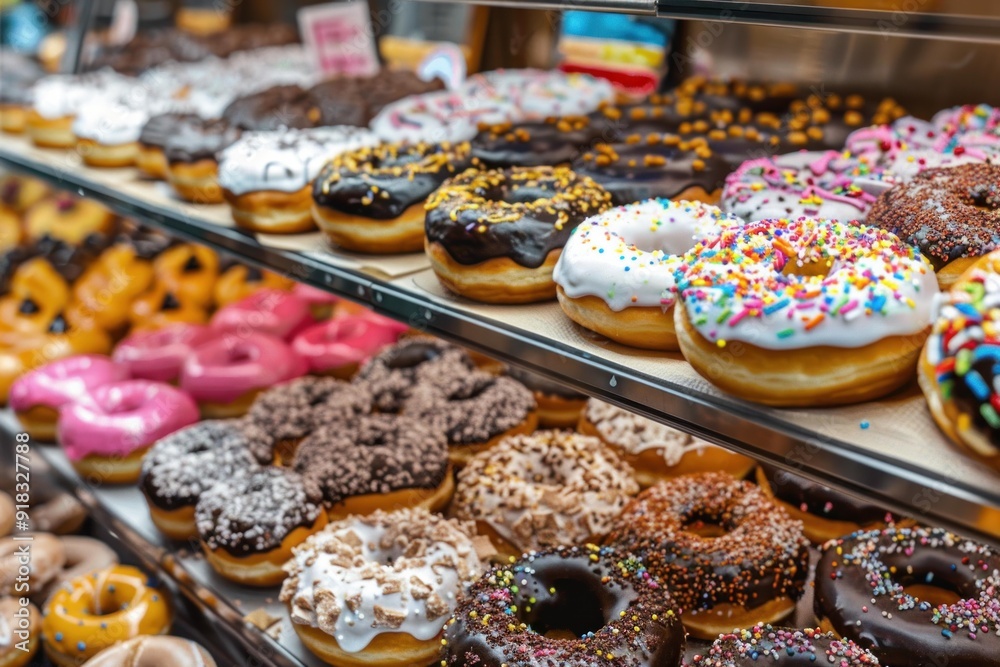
(270, 311)
(119, 418)
(159, 355)
(228, 367)
(346, 340)
(313, 295)
(64, 380)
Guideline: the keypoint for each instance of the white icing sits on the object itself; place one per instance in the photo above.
(627, 256)
(540, 94)
(635, 434)
(59, 96)
(109, 123)
(439, 117)
(285, 160)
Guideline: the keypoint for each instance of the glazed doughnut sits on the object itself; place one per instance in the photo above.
(273, 312)
(153, 651)
(656, 451)
(37, 396)
(161, 307)
(817, 312)
(225, 374)
(60, 514)
(378, 590)
(825, 513)
(544, 490)
(558, 405)
(616, 274)
(19, 627)
(37, 295)
(249, 522)
(19, 193)
(107, 432)
(392, 374)
(475, 411)
(11, 232)
(963, 224)
(496, 235)
(380, 462)
(153, 139)
(103, 292)
(266, 177)
(783, 646)
(6, 514)
(47, 559)
(68, 218)
(909, 593)
(565, 607)
(158, 355)
(84, 555)
(95, 611)
(190, 153)
(238, 282)
(726, 553)
(372, 199)
(183, 465)
(549, 142)
(338, 347)
(956, 368)
(189, 271)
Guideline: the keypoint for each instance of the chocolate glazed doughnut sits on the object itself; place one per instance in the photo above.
(190, 155)
(564, 607)
(783, 647)
(153, 140)
(548, 142)
(914, 597)
(495, 236)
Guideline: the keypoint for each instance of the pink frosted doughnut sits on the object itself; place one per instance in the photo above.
(64, 380)
(314, 295)
(269, 311)
(225, 374)
(159, 355)
(337, 347)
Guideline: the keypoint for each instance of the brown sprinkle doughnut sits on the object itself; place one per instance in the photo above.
(391, 375)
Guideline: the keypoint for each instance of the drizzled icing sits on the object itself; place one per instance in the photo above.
(384, 573)
(438, 117)
(735, 286)
(627, 256)
(635, 434)
(539, 94)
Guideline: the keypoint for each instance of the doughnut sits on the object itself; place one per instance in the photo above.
(11, 233)
(962, 224)
(266, 177)
(107, 132)
(19, 193)
(495, 236)
(277, 107)
(60, 513)
(224, 375)
(378, 590)
(909, 594)
(540, 491)
(37, 294)
(37, 396)
(189, 271)
(321, 303)
(566, 607)
(475, 411)
(161, 307)
(46, 561)
(558, 405)
(190, 153)
(238, 282)
(106, 433)
(825, 513)
(6, 514)
(153, 651)
(68, 218)
(392, 374)
(153, 139)
(534, 144)
(102, 294)
(84, 555)
(379, 462)
(183, 465)
(656, 451)
(372, 199)
(94, 611)
(782, 646)
(19, 631)
(249, 522)
(439, 117)
(338, 347)
(846, 319)
(274, 312)
(615, 275)
(728, 555)
(655, 165)
(147, 242)
(159, 355)
(540, 94)
(56, 100)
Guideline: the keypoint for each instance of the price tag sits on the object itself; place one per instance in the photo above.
(340, 38)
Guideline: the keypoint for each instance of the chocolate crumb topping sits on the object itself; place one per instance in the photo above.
(391, 375)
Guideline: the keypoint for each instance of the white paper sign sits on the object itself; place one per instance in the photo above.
(340, 39)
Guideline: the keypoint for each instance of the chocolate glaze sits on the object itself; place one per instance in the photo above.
(520, 213)
(381, 182)
(543, 385)
(69, 261)
(820, 500)
(601, 596)
(783, 647)
(279, 106)
(355, 101)
(158, 130)
(860, 589)
(199, 140)
(549, 142)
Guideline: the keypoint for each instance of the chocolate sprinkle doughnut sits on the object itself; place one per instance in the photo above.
(820, 500)
(602, 597)
(861, 592)
(549, 142)
(391, 375)
(783, 646)
(947, 212)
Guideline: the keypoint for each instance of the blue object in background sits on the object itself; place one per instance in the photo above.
(23, 26)
(622, 27)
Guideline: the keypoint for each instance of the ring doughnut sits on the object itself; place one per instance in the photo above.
(69, 218)
(158, 355)
(534, 144)
(783, 646)
(18, 624)
(815, 312)
(274, 312)
(153, 651)
(60, 514)
(48, 557)
(726, 553)
(392, 374)
(496, 235)
(338, 347)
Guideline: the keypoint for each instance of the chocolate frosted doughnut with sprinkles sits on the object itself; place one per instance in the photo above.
(372, 199)
(249, 522)
(951, 214)
(391, 375)
(918, 597)
(572, 607)
(804, 312)
(728, 555)
(377, 462)
(475, 411)
(781, 647)
(495, 236)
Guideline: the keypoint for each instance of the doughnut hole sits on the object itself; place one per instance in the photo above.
(808, 269)
(707, 526)
(927, 583)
